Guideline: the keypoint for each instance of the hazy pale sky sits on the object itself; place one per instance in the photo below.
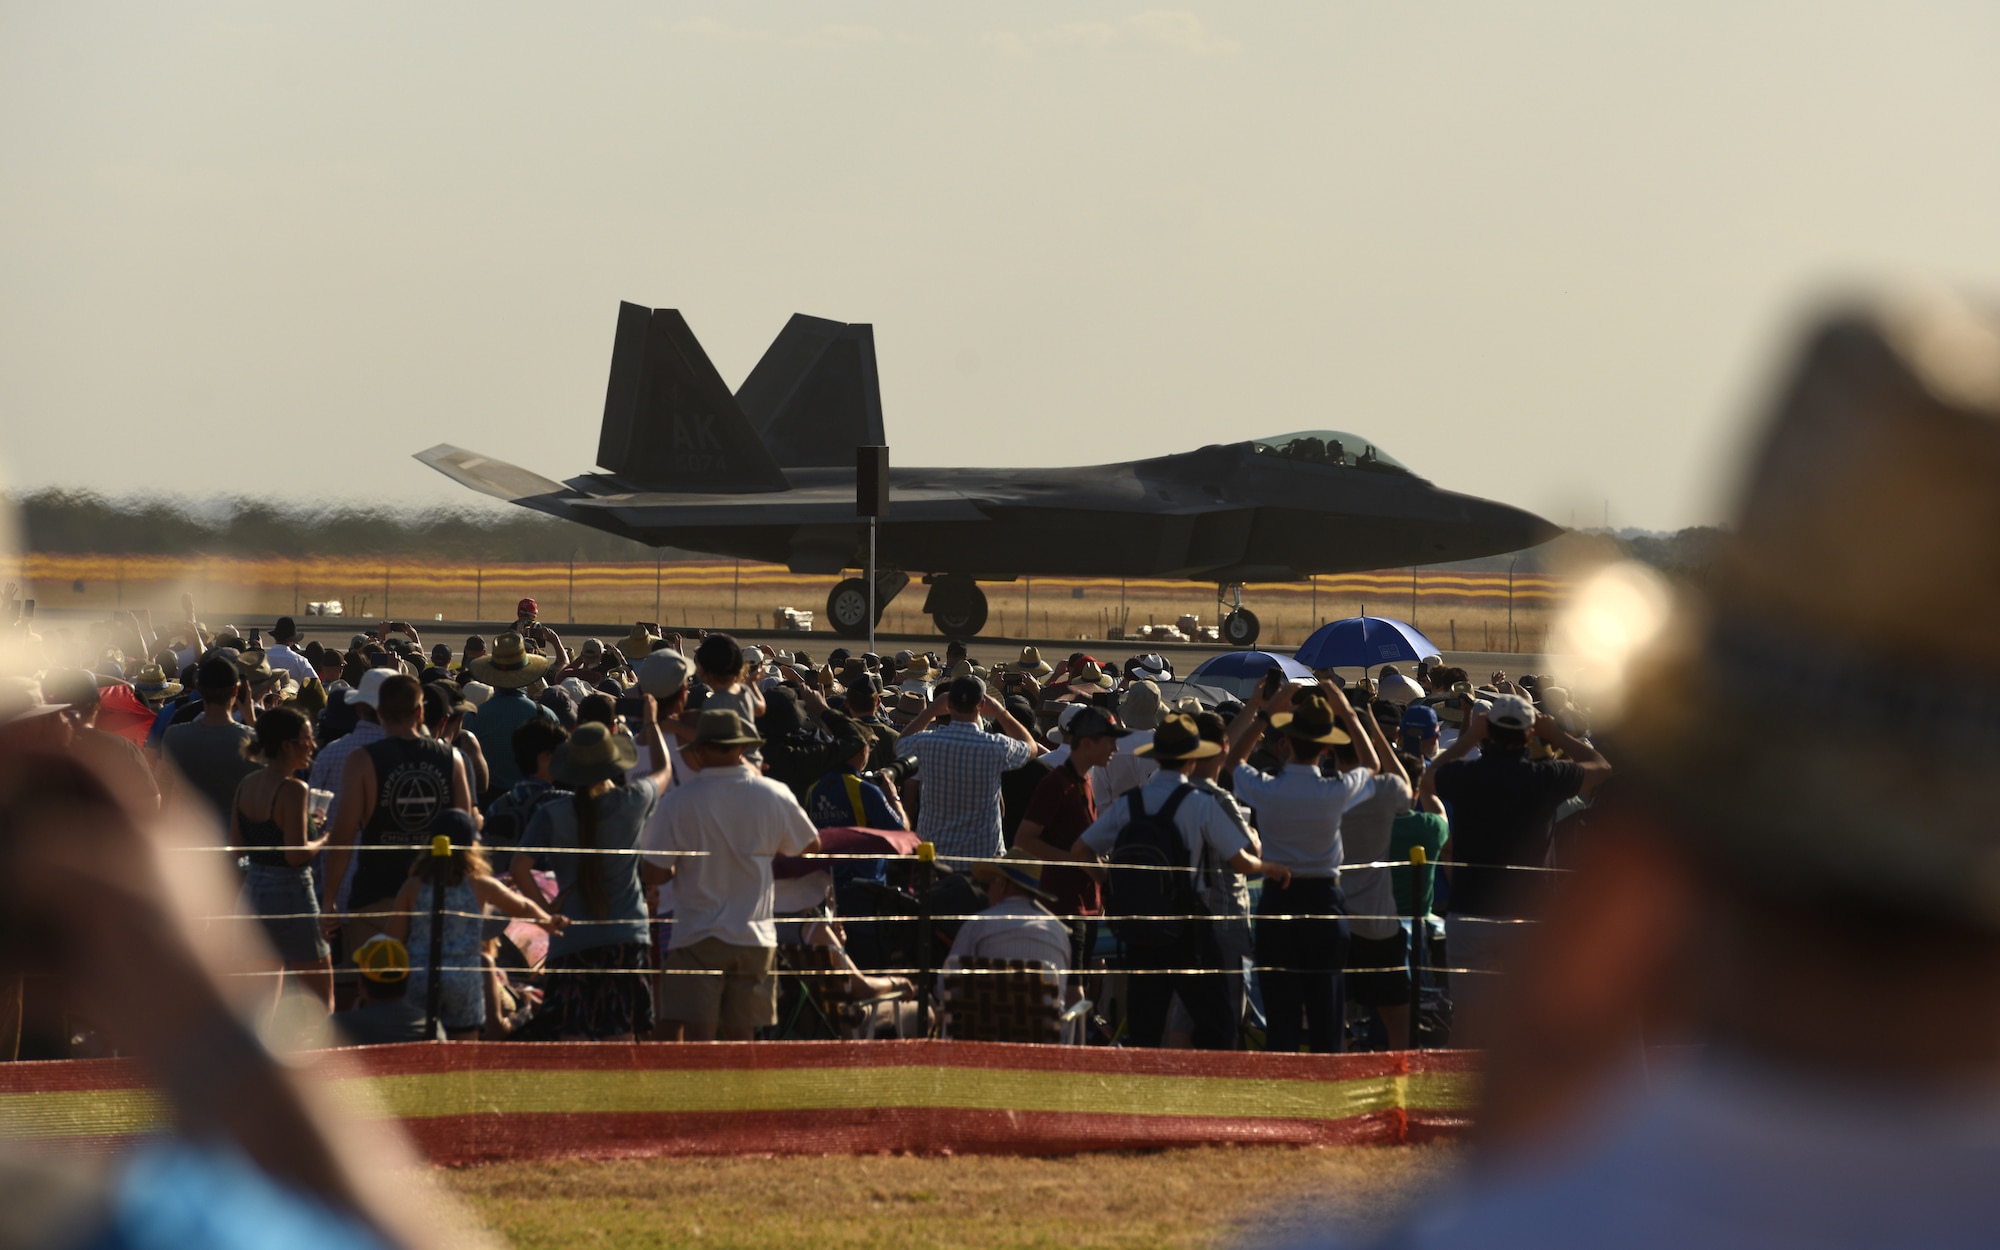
(1541, 252)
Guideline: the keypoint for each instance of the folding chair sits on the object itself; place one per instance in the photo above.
(828, 989)
(1010, 1000)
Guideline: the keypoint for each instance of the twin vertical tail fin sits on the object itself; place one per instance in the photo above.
(815, 396)
(669, 422)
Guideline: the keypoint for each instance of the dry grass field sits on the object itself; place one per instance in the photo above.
(1183, 1198)
(1459, 611)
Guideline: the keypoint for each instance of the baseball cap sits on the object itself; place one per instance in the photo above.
(1511, 711)
(527, 607)
(966, 691)
(662, 673)
(1091, 722)
(1420, 719)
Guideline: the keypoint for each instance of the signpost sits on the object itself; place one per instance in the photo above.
(871, 499)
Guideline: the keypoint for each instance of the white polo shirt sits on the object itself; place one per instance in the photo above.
(1298, 813)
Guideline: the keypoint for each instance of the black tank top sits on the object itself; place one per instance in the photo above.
(412, 789)
(264, 840)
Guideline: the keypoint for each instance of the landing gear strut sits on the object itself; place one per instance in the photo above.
(957, 605)
(1239, 624)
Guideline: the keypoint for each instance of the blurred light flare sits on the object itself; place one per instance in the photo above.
(1613, 618)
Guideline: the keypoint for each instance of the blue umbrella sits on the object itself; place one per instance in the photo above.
(1364, 642)
(1238, 672)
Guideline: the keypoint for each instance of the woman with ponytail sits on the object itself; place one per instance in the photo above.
(600, 965)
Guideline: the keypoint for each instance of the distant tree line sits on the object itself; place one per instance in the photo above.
(83, 522)
(76, 521)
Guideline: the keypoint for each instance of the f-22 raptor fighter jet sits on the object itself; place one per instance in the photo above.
(768, 473)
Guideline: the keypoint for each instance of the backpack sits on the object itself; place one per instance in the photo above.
(1156, 877)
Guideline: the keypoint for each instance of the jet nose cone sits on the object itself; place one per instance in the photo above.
(1529, 530)
(1497, 528)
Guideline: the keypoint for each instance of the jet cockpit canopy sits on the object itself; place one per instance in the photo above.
(1333, 448)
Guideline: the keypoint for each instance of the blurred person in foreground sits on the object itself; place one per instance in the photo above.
(1754, 892)
(253, 1153)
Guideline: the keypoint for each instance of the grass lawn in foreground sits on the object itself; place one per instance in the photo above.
(1202, 1197)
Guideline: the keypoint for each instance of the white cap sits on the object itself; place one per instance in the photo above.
(369, 689)
(1511, 711)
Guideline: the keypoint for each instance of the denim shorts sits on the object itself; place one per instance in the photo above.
(284, 898)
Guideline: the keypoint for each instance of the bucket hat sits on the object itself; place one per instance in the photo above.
(722, 727)
(1311, 720)
(592, 753)
(1177, 739)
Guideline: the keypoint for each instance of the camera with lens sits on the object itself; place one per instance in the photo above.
(897, 771)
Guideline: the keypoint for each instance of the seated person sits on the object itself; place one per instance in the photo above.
(382, 1011)
(1016, 924)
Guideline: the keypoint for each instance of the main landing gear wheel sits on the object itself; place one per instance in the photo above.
(1239, 628)
(959, 611)
(847, 608)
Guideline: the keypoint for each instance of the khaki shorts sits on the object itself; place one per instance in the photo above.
(745, 996)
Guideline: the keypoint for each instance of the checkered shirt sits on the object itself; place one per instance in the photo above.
(959, 765)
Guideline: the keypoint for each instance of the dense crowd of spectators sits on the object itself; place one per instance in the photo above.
(622, 823)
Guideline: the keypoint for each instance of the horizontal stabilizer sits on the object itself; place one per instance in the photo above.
(489, 477)
(815, 396)
(669, 422)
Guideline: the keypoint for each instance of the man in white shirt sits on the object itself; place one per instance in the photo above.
(724, 945)
(1187, 961)
(1016, 924)
(1298, 817)
(282, 657)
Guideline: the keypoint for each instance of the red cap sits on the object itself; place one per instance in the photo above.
(527, 607)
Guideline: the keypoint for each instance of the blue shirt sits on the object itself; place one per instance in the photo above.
(831, 806)
(494, 725)
(621, 816)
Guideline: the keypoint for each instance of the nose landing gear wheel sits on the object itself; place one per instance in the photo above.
(1239, 628)
(847, 608)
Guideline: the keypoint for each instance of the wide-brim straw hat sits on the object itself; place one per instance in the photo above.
(592, 754)
(1032, 663)
(1856, 592)
(151, 684)
(638, 643)
(1311, 720)
(509, 665)
(1091, 677)
(1175, 740)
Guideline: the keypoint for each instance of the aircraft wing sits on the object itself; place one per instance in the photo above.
(647, 510)
(831, 506)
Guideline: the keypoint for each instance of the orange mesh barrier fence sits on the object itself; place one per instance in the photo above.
(470, 1103)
